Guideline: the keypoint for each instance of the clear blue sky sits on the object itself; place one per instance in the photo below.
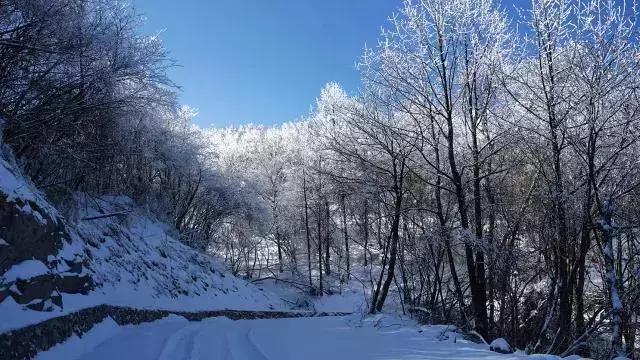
(262, 61)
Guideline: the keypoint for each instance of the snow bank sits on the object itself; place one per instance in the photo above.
(76, 347)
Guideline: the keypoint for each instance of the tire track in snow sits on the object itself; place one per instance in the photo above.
(241, 345)
(253, 342)
(210, 341)
(196, 345)
(177, 343)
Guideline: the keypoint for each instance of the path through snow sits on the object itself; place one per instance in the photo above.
(329, 338)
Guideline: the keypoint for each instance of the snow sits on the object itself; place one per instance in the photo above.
(500, 345)
(27, 209)
(15, 186)
(25, 270)
(76, 346)
(270, 339)
(15, 316)
(11, 183)
(351, 299)
(139, 263)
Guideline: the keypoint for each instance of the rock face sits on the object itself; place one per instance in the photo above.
(28, 231)
(37, 258)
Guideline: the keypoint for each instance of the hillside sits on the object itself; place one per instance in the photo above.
(52, 265)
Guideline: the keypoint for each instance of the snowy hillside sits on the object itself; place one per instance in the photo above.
(137, 262)
(88, 259)
(40, 258)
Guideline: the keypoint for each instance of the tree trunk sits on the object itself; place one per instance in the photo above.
(327, 238)
(481, 282)
(365, 243)
(306, 223)
(393, 252)
(562, 254)
(443, 226)
(279, 245)
(395, 233)
(585, 244)
(614, 283)
(320, 245)
(346, 237)
(479, 306)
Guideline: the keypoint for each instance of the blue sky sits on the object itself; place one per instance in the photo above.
(262, 61)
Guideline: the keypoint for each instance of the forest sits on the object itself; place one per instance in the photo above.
(485, 174)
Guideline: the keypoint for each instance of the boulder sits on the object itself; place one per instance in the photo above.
(500, 345)
(74, 283)
(28, 231)
(39, 287)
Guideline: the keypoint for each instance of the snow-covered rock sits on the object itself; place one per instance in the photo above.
(500, 345)
(35, 242)
(25, 270)
(572, 357)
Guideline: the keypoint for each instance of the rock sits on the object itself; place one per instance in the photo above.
(39, 287)
(74, 283)
(36, 306)
(32, 234)
(75, 266)
(4, 293)
(500, 345)
(36, 264)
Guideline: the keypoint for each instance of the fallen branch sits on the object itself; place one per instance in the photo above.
(285, 281)
(120, 213)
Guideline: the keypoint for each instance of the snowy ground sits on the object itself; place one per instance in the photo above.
(351, 299)
(298, 338)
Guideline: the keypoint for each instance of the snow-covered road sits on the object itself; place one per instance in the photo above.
(329, 338)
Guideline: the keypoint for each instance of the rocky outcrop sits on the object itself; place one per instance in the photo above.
(28, 232)
(38, 262)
